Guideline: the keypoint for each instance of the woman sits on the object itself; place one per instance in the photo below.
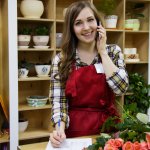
(84, 76)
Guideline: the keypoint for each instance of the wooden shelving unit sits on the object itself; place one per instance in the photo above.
(53, 18)
(11, 86)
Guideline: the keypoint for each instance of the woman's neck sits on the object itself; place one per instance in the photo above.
(86, 47)
(86, 52)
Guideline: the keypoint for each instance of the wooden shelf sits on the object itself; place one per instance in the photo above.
(25, 107)
(34, 79)
(33, 19)
(60, 21)
(33, 134)
(114, 30)
(4, 139)
(130, 31)
(140, 62)
(35, 49)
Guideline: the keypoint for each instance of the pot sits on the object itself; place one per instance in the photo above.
(32, 8)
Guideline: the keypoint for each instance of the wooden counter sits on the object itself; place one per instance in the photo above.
(42, 145)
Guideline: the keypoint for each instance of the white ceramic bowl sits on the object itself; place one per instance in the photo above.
(23, 124)
(42, 70)
(23, 73)
(37, 101)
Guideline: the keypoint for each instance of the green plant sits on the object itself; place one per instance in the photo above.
(139, 101)
(107, 6)
(41, 30)
(130, 129)
(25, 64)
(24, 31)
(134, 10)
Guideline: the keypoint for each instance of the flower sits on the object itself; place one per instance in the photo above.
(128, 146)
(148, 139)
(132, 133)
(110, 147)
(137, 145)
(144, 146)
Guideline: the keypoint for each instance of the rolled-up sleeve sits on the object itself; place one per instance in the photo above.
(57, 97)
(119, 80)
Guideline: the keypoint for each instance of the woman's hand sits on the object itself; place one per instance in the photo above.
(101, 40)
(58, 135)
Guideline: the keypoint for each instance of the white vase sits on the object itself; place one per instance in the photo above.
(32, 8)
(111, 21)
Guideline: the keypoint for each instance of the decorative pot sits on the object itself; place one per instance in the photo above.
(23, 41)
(136, 24)
(23, 124)
(23, 73)
(58, 39)
(111, 21)
(32, 8)
(42, 70)
(40, 40)
(132, 24)
(129, 24)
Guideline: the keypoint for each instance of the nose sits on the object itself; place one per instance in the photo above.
(85, 26)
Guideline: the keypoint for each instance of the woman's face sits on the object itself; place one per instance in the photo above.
(85, 26)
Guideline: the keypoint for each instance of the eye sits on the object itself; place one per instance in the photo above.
(78, 23)
(90, 20)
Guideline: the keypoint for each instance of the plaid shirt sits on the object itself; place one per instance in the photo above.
(118, 82)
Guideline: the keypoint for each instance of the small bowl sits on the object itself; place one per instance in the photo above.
(23, 124)
(37, 101)
(23, 73)
(42, 70)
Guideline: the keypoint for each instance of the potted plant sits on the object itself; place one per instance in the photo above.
(133, 16)
(108, 8)
(41, 37)
(24, 37)
(139, 101)
(23, 68)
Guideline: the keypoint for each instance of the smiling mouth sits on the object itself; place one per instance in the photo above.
(87, 34)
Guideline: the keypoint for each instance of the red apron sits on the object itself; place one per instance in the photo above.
(91, 101)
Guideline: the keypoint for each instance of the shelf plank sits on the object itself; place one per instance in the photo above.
(34, 19)
(139, 0)
(135, 32)
(4, 139)
(34, 79)
(114, 30)
(60, 20)
(140, 62)
(33, 134)
(24, 107)
(35, 49)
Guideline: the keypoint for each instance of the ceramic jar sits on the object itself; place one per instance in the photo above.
(58, 39)
(132, 24)
(32, 8)
(111, 21)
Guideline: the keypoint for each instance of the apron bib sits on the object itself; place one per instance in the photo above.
(91, 101)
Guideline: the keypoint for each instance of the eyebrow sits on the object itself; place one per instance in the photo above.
(87, 18)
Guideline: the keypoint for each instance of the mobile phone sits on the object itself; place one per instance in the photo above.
(98, 34)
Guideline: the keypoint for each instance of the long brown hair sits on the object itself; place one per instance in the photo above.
(69, 40)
